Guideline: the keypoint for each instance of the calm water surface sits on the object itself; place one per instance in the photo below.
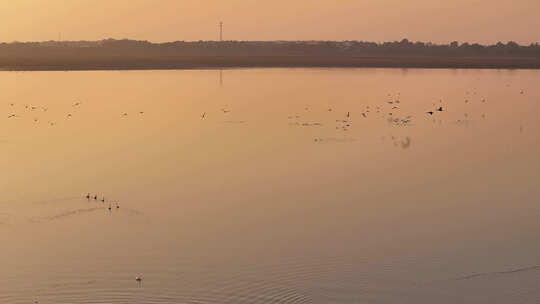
(276, 196)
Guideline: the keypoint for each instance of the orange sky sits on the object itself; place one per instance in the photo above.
(374, 20)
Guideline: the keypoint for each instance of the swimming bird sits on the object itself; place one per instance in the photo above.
(406, 144)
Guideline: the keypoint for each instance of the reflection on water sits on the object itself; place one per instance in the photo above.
(280, 186)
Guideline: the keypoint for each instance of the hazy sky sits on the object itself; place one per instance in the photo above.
(374, 20)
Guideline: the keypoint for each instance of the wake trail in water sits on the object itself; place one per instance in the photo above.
(496, 273)
(66, 214)
(57, 200)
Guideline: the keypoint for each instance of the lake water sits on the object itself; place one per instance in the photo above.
(253, 186)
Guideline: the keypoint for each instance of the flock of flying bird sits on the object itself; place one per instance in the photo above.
(32, 111)
(388, 110)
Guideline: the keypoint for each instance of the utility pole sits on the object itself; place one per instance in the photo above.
(221, 31)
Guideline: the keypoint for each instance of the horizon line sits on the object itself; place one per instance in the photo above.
(404, 40)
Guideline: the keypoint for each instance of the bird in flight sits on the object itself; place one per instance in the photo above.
(430, 112)
(203, 116)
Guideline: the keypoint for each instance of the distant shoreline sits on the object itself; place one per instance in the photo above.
(128, 62)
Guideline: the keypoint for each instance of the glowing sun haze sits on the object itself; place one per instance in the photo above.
(373, 20)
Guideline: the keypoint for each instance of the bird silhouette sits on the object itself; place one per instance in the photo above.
(430, 112)
(440, 109)
(406, 144)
